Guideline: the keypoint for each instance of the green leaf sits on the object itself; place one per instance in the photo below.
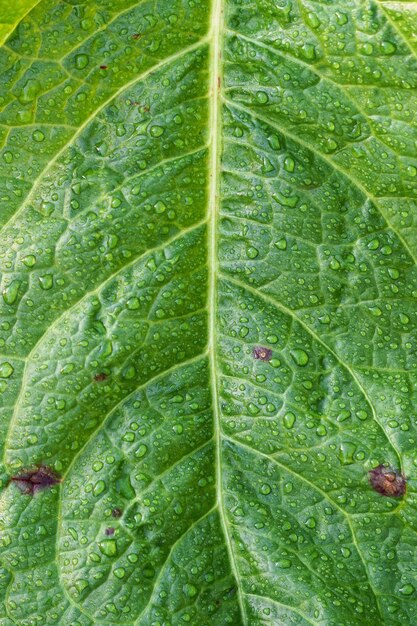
(208, 313)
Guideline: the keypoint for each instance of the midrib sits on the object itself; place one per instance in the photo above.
(217, 20)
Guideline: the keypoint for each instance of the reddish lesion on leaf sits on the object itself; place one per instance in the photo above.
(100, 377)
(36, 479)
(261, 353)
(387, 481)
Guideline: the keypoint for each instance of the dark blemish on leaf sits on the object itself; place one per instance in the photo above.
(136, 36)
(32, 481)
(117, 512)
(387, 481)
(109, 532)
(104, 67)
(263, 354)
(145, 108)
(100, 377)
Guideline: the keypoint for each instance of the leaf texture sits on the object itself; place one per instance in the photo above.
(208, 312)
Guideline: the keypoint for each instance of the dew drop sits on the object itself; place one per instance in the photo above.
(108, 547)
(46, 282)
(156, 131)
(11, 292)
(289, 420)
(300, 357)
(346, 452)
(252, 252)
(6, 370)
(141, 451)
(38, 136)
(262, 97)
(81, 61)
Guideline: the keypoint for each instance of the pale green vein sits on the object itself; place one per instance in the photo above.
(395, 27)
(281, 606)
(260, 294)
(102, 425)
(354, 181)
(216, 34)
(7, 33)
(29, 198)
(85, 297)
(324, 495)
(162, 571)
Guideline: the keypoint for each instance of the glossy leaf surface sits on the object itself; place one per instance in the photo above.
(208, 313)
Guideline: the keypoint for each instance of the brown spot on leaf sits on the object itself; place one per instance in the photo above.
(34, 480)
(100, 377)
(136, 36)
(109, 532)
(104, 67)
(387, 481)
(117, 512)
(261, 353)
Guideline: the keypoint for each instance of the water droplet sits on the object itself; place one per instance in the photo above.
(366, 48)
(253, 409)
(29, 260)
(133, 303)
(11, 291)
(281, 244)
(73, 533)
(265, 489)
(345, 552)
(312, 20)
(321, 430)
(388, 47)
(274, 142)
(300, 357)
(108, 547)
(156, 131)
(289, 164)
(407, 589)
(6, 370)
(46, 281)
(346, 452)
(160, 207)
(262, 97)
(38, 136)
(289, 201)
(190, 590)
(119, 572)
(341, 18)
(252, 252)
(141, 451)
(289, 420)
(311, 522)
(81, 61)
(129, 372)
(30, 90)
(99, 487)
(362, 415)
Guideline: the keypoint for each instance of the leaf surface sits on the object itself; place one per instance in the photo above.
(208, 312)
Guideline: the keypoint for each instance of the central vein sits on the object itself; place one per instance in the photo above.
(213, 209)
